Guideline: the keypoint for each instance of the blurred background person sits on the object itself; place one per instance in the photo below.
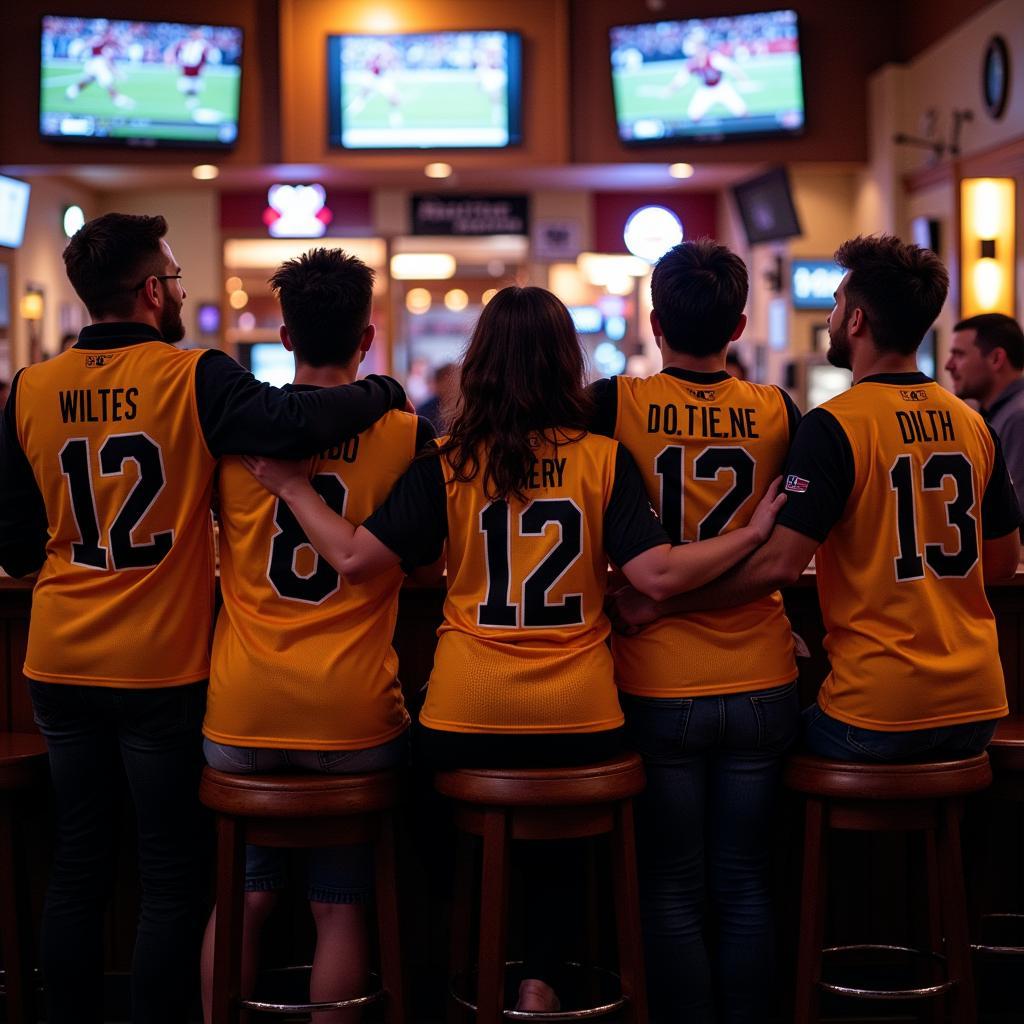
(440, 407)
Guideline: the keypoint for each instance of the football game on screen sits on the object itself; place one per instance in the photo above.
(708, 78)
(140, 81)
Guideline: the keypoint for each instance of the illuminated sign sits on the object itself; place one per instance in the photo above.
(813, 283)
(651, 231)
(297, 211)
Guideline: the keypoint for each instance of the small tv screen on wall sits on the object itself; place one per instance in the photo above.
(147, 83)
(447, 90)
(708, 79)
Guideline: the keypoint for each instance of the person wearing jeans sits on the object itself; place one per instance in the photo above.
(704, 827)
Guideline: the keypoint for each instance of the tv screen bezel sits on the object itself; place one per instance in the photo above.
(335, 123)
(711, 139)
(141, 142)
(773, 173)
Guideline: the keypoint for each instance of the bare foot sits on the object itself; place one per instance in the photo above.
(536, 996)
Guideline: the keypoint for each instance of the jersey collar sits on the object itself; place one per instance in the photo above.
(698, 376)
(903, 379)
(116, 335)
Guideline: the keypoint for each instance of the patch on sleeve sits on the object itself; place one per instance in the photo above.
(796, 484)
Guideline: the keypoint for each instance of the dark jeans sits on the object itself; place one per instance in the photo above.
(552, 871)
(91, 731)
(828, 737)
(706, 821)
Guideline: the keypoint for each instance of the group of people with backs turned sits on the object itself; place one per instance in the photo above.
(539, 484)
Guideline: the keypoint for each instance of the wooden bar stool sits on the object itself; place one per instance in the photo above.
(301, 811)
(536, 805)
(22, 769)
(926, 798)
(1006, 752)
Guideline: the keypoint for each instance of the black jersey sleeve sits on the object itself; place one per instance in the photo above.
(240, 415)
(605, 396)
(792, 413)
(425, 433)
(1000, 510)
(819, 476)
(630, 525)
(23, 522)
(413, 521)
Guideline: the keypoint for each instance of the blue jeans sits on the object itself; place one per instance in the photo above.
(336, 874)
(95, 735)
(706, 819)
(828, 737)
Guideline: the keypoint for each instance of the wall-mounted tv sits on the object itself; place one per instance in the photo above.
(813, 283)
(708, 79)
(13, 210)
(146, 83)
(442, 90)
(766, 207)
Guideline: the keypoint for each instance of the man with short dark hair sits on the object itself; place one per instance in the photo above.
(709, 446)
(986, 357)
(107, 458)
(903, 493)
(303, 674)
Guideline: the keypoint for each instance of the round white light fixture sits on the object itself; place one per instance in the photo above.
(681, 170)
(74, 219)
(651, 231)
(438, 170)
(456, 300)
(205, 172)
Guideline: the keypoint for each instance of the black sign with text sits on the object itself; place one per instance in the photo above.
(470, 215)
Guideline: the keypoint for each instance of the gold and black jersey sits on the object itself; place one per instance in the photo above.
(708, 447)
(301, 657)
(522, 647)
(125, 594)
(902, 482)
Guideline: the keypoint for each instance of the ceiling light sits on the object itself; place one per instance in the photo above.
(417, 301)
(422, 266)
(238, 299)
(681, 170)
(456, 300)
(438, 170)
(205, 172)
(233, 284)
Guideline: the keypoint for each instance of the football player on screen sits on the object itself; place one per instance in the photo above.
(99, 52)
(191, 56)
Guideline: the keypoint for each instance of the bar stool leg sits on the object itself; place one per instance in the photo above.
(954, 905)
(627, 914)
(933, 883)
(388, 923)
(493, 911)
(227, 944)
(462, 920)
(14, 920)
(812, 916)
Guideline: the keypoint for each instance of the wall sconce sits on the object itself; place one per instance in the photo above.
(987, 217)
(31, 308)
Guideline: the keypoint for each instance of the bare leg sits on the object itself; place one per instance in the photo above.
(341, 961)
(258, 906)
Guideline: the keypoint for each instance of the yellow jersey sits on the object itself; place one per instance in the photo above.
(522, 648)
(708, 447)
(302, 658)
(901, 481)
(125, 596)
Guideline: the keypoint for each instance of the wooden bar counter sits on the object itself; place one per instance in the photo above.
(874, 881)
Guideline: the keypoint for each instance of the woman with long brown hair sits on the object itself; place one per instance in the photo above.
(532, 508)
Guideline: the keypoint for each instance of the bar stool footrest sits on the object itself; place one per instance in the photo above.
(886, 994)
(265, 1006)
(994, 949)
(456, 988)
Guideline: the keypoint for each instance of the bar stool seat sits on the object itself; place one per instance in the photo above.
(538, 804)
(22, 769)
(1006, 751)
(301, 811)
(926, 798)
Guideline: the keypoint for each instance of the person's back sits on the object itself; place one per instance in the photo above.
(302, 657)
(910, 631)
(708, 447)
(522, 647)
(110, 430)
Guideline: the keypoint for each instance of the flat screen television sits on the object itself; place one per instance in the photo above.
(708, 79)
(145, 83)
(13, 210)
(442, 90)
(766, 207)
(812, 283)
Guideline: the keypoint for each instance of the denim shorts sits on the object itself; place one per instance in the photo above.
(335, 874)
